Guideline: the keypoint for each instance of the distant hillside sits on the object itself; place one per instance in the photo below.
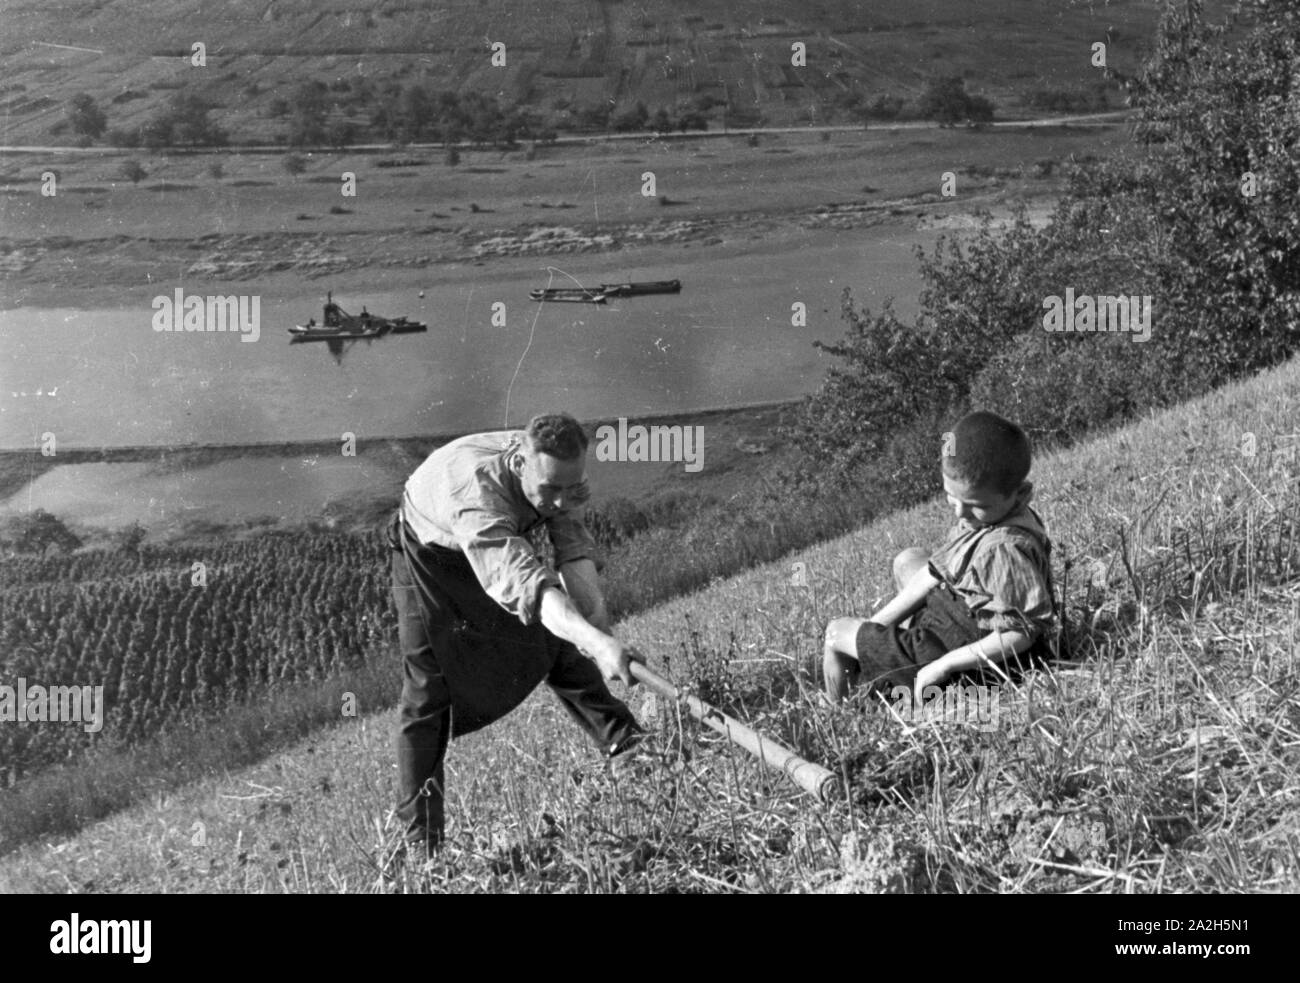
(719, 59)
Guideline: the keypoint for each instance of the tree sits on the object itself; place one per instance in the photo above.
(1226, 247)
(1174, 222)
(453, 156)
(184, 120)
(36, 532)
(130, 539)
(594, 117)
(342, 134)
(692, 121)
(310, 104)
(85, 117)
(133, 170)
(293, 164)
(632, 119)
(947, 101)
(418, 112)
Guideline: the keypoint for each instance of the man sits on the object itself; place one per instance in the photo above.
(481, 619)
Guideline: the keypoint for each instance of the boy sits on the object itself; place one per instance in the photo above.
(984, 596)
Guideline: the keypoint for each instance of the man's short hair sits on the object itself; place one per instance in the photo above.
(987, 451)
(556, 434)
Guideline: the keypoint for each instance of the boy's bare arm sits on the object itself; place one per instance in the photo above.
(993, 647)
(908, 600)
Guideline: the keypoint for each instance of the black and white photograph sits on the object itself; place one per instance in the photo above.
(650, 447)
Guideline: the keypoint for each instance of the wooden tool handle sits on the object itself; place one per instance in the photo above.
(812, 778)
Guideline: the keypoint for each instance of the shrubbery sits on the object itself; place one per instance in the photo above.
(1172, 222)
(947, 101)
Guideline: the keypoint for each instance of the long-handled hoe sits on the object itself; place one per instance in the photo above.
(814, 779)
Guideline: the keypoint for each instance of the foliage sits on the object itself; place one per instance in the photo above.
(309, 107)
(36, 532)
(183, 121)
(1171, 223)
(1212, 111)
(635, 118)
(85, 117)
(132, 170)
(946, 100)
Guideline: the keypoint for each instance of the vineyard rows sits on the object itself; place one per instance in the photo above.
(280, 608)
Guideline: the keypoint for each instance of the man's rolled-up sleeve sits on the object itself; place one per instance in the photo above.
(573, 540)
(504, 562)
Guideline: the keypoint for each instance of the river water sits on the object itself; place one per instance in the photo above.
(105, 378)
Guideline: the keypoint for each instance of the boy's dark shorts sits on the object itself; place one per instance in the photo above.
(890, 656)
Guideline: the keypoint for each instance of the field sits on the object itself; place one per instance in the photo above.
(1162, 759)
(560, 57)
(102, 241)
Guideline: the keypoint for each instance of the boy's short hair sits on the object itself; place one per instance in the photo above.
(556, 434)
(986, 451)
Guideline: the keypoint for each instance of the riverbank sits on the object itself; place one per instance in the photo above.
(409, 220)
(740, 447)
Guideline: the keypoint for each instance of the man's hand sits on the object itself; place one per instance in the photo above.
(614, 660)
(563, 619)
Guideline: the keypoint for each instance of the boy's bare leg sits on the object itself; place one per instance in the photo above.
(906, 564)
(840, 657)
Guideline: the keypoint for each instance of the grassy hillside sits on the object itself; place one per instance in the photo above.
(560, 57)
(1162, 759)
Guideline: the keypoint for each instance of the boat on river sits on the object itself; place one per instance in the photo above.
(598, 295)
(339, 325)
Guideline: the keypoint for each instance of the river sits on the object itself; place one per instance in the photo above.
(105, 378)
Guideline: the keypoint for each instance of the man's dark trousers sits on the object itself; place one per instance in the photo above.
(467, 662)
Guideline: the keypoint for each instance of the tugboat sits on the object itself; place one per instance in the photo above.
(339, 325)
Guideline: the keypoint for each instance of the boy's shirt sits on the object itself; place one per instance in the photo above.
(1002, 572)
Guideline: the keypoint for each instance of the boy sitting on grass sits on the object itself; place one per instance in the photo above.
(984, 596)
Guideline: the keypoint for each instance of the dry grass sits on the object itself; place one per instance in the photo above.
(1162, 759)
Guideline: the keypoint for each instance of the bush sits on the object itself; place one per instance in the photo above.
(1222, 270)
(123, 138)
(85, 117)
(947, 101)
(1068, 100)
(184, 120)
(633, 119)
(133, 170)
(35, 532)
(1058, 387)
(692, 121)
